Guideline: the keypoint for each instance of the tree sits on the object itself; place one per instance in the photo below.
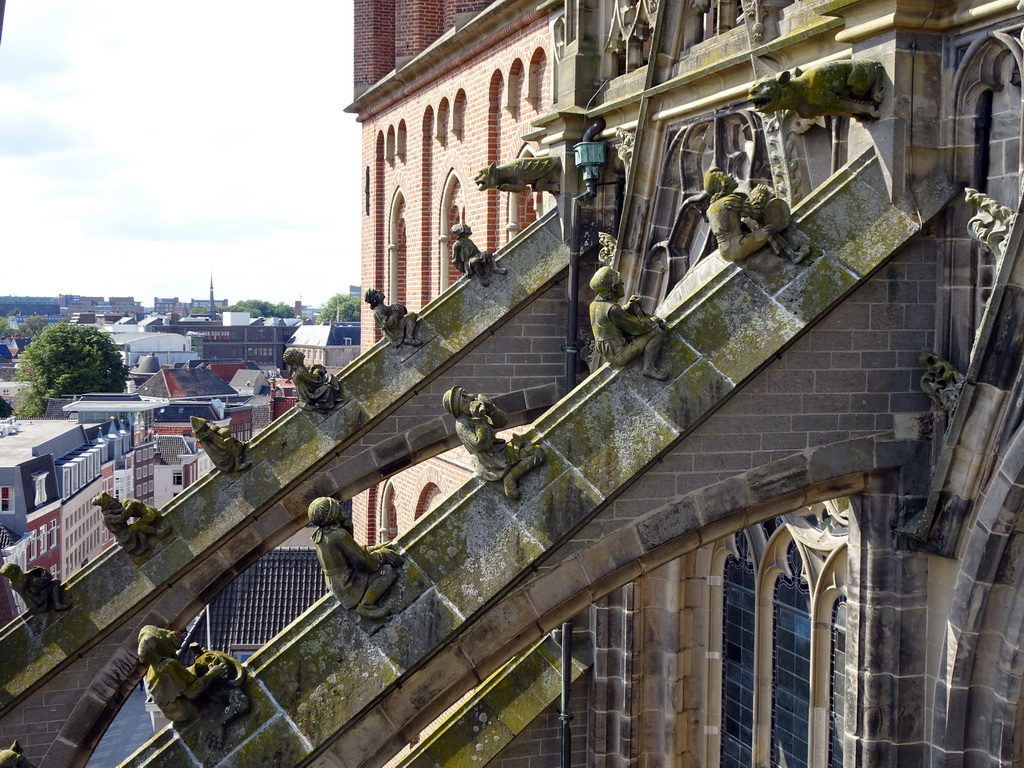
(33, 326)
(260, 308)
(341, 307)
(5, 328)
(68, 360)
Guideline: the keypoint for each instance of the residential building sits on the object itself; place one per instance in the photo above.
(332, 345)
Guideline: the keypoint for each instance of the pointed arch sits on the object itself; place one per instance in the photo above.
(514, 88)
(537, 81)
(451, 211)
(425, 266)
(397, 243)
(459, 115)
(443, 118)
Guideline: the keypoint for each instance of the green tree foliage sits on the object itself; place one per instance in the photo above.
(341, 307)
(33, 326)
(260, 308)
(5, 327)
(68, 360)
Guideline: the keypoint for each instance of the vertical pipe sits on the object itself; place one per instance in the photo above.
(566, 713)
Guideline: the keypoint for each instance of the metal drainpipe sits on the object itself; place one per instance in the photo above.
(566, 714)
(571, 351)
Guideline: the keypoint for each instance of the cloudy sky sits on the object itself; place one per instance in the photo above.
(144, 145)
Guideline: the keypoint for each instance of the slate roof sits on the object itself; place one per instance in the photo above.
(7, 537)
(252, 380)
(172, 447)
(175, 383)
(176, 413)
(7, 372)
(55, 408)
(263, 600)
(325, 335)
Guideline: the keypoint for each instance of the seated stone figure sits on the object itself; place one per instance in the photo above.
(729, 209)
(316, 388)
(477, 421)
(396, 322)
(226, 453)
(132, 523)
(623, 333)
(179, 691)
(357, 576)
(13, 757)
(470, 260)
(41, 592)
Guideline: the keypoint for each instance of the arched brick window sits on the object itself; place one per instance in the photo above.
(397, 250)
(401, 145)
(391, 145)
(429, 497)
(451, 212)
(443, 116)
(537, 82)
(426, 280)
(514, 90)
(459, 115)
(496, 94)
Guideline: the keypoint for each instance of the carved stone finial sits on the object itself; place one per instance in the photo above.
(991, 224)
(470, 260)
(14, 757)
(941, 382)
(132, 523)
(623, 333)
(844, 88)
(183, 693)
(316, 388)
(608, 247)
(41, 592)
(359, 577)
(396, 322)
(226, 453)
(729, 210)
(477, 421)
(625, 147)
(544, 174)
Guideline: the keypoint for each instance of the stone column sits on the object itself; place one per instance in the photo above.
(885, 663)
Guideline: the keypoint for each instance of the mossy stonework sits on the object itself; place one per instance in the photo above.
(224, 518)
(477, 544)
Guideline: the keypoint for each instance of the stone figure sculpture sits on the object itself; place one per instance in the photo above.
(942, 382)
(357, 576)
(623, 333)
(843, 88)
(470, 260)
(544, 174)
(728, 214)
(609, 245)
(182, 692)
(14, 757)
(477, 421)
(990, 225)
(317, 389)
(226, 453)
(396, 322)
(131, 522)
(41, 592)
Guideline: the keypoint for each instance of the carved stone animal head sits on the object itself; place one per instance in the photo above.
(488, 177)
(770, 94)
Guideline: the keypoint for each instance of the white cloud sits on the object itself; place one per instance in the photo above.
(143, 146)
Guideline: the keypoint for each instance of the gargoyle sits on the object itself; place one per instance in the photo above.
(41, 592)
(131, 522)
(359, 577)
(13, 757)
(396, 322)
(316, 388)
(544, 174)
(843, 88)
(181, 692)
(226, 453)
(477, 420)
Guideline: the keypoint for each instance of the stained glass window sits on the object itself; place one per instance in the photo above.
(738, 659)
(791, 660)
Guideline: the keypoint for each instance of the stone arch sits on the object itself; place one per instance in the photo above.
(459, 115)
(443, 118)
(452, 211)
(975, 707)
(387, 514)
(397, 243)
(428, 498)
(537, 80)
(425, 266)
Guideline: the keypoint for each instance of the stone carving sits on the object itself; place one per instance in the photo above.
(941, 382)
(755, 12)
(606, 255)
(357, 576)
(991, 224)
(624, 333)
(182, 692)
(396, 323)
(730, 210)
(843, 88)
(317, 389)
(780, 132)
(631, 25)
(625, 148)
(470, 260)
(544, 174)
(226, 453)
(14, 757)
(41, 592)
(132, 523)
(477, 421)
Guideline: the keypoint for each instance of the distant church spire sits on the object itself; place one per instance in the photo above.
(212, 315)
